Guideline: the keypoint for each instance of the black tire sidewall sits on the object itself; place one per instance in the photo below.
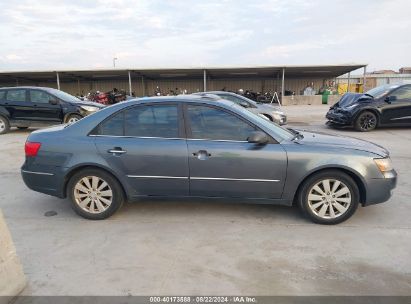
(331, 174)
(118, 195)
(357, 121)
(6, 122)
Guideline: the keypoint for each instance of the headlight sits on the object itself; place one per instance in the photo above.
(263, 116)
(350, 107)
(89, 108)
(384, 164)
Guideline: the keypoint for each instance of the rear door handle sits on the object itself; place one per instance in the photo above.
(117, 150)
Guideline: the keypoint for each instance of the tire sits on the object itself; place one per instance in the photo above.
(95, 205)
(72, 118)
(366, 121)
(22, 128)
(4, 125)
(322, 207)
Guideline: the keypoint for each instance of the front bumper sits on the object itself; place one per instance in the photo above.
(339, 118)
(379, 190)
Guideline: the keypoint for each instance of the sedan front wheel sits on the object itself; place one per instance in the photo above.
(329, 197)
(366, 121)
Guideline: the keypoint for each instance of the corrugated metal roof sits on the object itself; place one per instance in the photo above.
(326, 71)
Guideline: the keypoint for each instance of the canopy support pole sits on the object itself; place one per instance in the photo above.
(58, 80)
(282, 86)
(204, 80)
(129, 83)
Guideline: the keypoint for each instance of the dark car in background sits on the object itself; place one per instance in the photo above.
(387, 105)
(196, 147)
(23, 107)
(267, 111)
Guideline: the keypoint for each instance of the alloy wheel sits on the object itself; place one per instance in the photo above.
(368, 122)
(93, 194)
(2, 125)
(329, 198)
(73, 119)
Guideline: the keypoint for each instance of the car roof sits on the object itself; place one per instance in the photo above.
(216, 92)
(179, 98)
(28, 87)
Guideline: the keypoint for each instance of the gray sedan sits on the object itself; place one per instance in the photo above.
(196, 147)
(267, 111)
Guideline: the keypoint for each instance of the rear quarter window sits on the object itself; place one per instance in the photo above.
(2, 94)
(16, 95)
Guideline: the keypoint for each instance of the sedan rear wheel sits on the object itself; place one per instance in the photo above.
(329, 197)
(95, 194)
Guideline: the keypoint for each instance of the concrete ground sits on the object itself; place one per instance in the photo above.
(193, 248)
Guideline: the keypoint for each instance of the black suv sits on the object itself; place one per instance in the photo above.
(24, 106)
(387, 105)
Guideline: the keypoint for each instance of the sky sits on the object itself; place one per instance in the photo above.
(76, 34)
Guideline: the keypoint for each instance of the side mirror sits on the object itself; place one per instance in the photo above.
(258, 137)
(390, 99)
(243, 104)
(53, 102)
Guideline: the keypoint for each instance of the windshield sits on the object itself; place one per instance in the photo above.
(281, 132)
(64, 96)
(238, 99)
(381, 90)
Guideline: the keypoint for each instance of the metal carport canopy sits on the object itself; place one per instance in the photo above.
(325, 71)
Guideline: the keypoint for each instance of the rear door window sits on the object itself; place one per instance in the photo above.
(113, 126)
(143, 121)
(16, 95)
(152, 121)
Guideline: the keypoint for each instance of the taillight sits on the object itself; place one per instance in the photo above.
(32, 148)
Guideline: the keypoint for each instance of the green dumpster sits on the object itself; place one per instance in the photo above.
(325, 96)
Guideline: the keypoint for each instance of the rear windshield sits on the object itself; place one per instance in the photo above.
(64, 96)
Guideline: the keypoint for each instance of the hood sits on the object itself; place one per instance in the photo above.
(89, 103)
(268, 107)
(336, 141)
(350, 98)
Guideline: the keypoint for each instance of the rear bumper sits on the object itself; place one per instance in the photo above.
(380, 189)
(49, 182)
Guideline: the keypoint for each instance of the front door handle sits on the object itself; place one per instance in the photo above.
(116, 150)
(202, 155)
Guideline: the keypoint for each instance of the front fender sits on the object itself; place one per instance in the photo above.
(305, 161)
